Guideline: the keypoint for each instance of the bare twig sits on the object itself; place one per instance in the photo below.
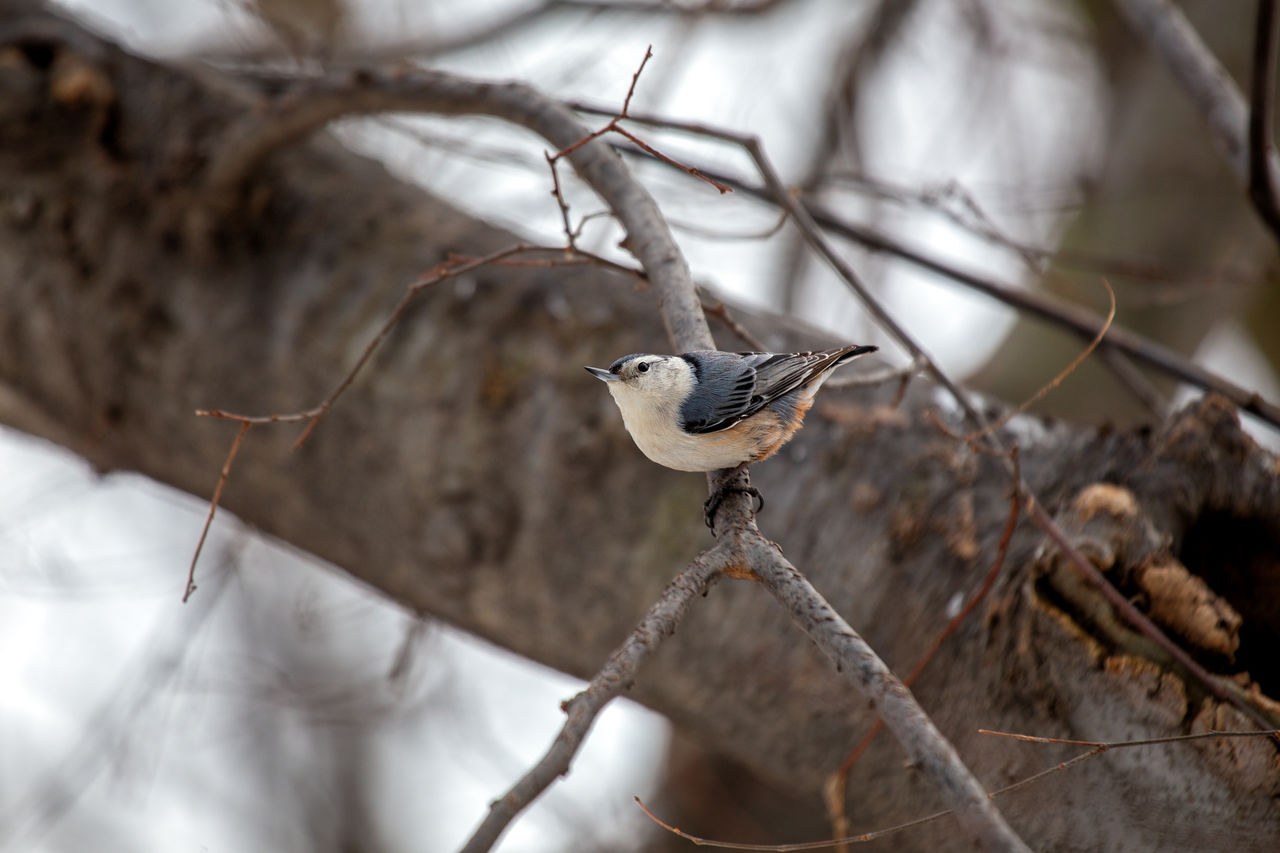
(614, 127)
(1057, 380)
(442, 272)
(1170, 35)
(1117, 744)
(570, 235)
(454, 266)
(793, 847)
(1142, 389)
(613, 678)
(1100, 747)
(654, 152)
(613, 123)
(716, 234)
(245, 426)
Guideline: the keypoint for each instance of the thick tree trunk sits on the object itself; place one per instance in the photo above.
(474, 472)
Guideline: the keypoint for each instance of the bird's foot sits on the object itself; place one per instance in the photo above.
(722, 490)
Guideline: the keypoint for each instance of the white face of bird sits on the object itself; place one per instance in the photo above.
(663, 376)
(661, 380)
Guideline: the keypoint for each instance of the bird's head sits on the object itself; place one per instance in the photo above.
(660, 378)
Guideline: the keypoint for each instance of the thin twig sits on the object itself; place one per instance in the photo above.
(1057, 380)
(453, 266)
(613, 126)
(582, 223)
(670, 161)
(794, 847)
(442, 272)
(570, 235)
(569, 232)
(613, 123)
(1137, 384)
(1169, 34)
(613, 678)
(1117, 744)
(635, 79)
(1211, 88)
(714, 234)
(288, 418)
(245, 426)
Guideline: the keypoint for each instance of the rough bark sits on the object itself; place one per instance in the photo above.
(474, 472)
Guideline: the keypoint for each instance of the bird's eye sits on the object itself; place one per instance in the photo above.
(642, 367)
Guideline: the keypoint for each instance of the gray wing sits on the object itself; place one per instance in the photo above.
(734, 387)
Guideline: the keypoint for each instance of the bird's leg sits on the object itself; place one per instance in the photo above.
(724, 487)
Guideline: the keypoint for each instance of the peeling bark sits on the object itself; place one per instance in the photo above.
(474, 472)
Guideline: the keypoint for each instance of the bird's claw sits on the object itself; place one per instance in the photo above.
(712, 504)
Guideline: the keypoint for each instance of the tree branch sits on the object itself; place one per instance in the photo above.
(928, 750)
(310, 104)
(615, 676)
(1169, 34)
(1262, 177)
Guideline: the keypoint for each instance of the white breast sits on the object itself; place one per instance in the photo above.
(655, 429)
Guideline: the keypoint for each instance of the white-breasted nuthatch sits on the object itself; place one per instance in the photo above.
(705, 410)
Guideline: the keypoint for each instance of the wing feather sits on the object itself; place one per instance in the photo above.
(733, 390)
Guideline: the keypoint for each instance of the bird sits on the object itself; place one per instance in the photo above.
(706, 410)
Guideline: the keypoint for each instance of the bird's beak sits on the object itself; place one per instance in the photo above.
(602, 374)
